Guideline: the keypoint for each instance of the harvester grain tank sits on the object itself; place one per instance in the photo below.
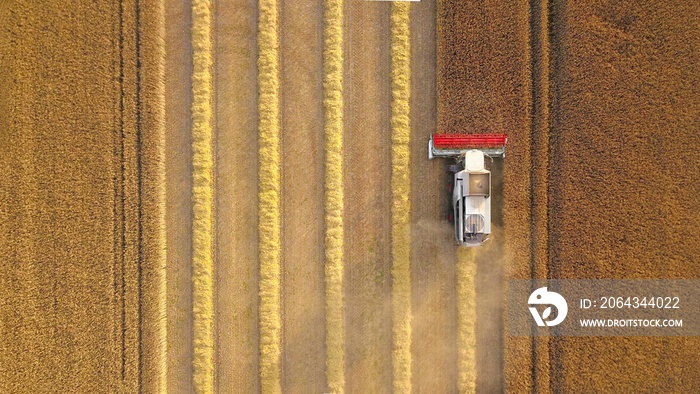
(471, 181)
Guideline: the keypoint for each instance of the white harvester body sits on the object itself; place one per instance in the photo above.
(471, 186)
(471, 200)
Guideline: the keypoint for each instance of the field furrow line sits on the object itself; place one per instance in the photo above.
(539, 175)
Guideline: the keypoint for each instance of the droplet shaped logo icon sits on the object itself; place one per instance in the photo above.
(543, 297)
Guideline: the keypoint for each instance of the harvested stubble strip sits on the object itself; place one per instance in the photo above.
(400, 186)
(202, 196)
(333, 125)
(269, 194)
(466, 319)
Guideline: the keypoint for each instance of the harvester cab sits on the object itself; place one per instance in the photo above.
(470, 182)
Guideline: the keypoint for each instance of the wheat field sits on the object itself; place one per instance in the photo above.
(234, 196)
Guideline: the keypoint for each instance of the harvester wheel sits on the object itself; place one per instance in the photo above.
(450, 190)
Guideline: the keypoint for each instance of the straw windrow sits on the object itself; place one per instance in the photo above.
(269, 194)
(202, 195)
(333, 128)
(466, 318)
(401, 188)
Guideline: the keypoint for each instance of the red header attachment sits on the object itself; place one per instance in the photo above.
(453, 145)
(467, 141)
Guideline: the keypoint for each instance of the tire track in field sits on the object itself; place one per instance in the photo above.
(555, 29)
(539, 176)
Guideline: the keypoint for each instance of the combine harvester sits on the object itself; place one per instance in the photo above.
(470, 210)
